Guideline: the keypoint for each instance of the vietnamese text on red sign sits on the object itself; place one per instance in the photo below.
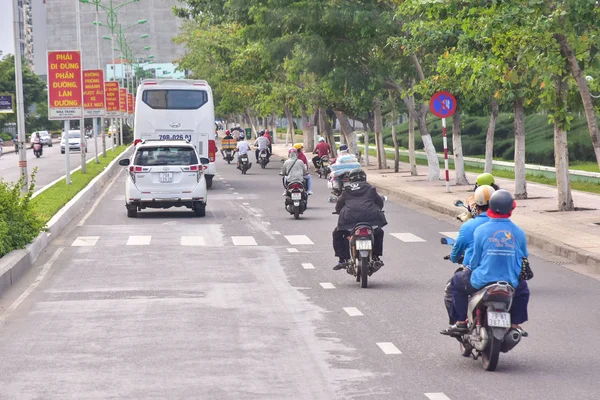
(112, 96)
(64, 79)
(93, 89)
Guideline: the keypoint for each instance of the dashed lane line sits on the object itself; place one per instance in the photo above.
(292, 250)
(407, 237)
(244, 241)
(388, 348)
(327, 285)
(275, 233)
(298, 239)
(139, 240)
(308, 266)
(353, 311)
(437, 396)
(85, 241)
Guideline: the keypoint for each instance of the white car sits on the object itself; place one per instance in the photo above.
(165, 174)
(75, 143)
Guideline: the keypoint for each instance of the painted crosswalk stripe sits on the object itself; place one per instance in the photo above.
(298, 239)
(246, 204)
(437, 396)
(308, 266)
(240, 198)
(292, 250)
(193, 241)
(388, 348)
(353, 311)
(407, 237)
(327, 285)
(139, 240)
(85, 241)
(275, 233)
(244, 241)
(452, 235)
(235, 193)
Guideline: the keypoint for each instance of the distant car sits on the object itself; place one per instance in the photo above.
(164, 174)
(75, 142)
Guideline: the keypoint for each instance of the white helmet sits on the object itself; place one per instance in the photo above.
(321, 139)
(483, 194)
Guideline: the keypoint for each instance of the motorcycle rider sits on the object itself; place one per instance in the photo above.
(499, 250)
(227, 137)
(243, 147)
(35, 139)
(302, 157)
(322, 149)
(293, 170)
(359, 202)
(263, 144)
(268, 136)
(485, 179)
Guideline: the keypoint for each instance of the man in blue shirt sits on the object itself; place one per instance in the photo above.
(499, 247)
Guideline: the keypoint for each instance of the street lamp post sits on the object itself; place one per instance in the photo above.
(82, 138)
(19, 95)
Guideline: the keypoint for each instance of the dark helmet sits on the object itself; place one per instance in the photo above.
(343, 147)
(357, 175)
(502, 202)
(261, 133)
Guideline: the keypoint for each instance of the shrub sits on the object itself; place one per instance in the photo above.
(19, 224)
(6, 136)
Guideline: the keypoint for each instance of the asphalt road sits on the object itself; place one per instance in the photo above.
(51, 165)
(243, 304)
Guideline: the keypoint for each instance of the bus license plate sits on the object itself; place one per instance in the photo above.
(165, 177)
(498, 319)
(363, 245)
(296, 196)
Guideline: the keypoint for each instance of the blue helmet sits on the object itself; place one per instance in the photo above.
(343, 147)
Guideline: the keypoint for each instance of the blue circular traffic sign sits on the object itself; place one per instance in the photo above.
(442, 104)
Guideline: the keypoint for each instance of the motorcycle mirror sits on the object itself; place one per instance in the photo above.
(447, 240)
(459, 203)
(204, 160)
(385, 198)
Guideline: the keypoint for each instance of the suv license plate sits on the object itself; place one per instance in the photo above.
(498, 319)
(296, 196)
(165, 177)
(363, 245)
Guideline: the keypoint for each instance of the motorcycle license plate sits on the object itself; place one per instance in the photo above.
(165, 177)
(498, 319)
(363, 245)
(296, 196)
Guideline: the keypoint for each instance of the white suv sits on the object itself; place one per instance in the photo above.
(164, 174)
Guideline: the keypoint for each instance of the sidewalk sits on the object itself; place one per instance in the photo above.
(574, 235)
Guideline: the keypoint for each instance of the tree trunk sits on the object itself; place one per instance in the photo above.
(347, 132)
(519, 127)
(411, 134)
(326, 130)
(394, 137)
(433, 162)
(309, 142)
(561, 149)
(290, 121)
(489, 138)
(584, 91)
(273, 127)
(459, 162)
(366, 138)
(378, 125)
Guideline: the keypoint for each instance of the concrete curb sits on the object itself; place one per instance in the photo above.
(536, 239)
(16, 263)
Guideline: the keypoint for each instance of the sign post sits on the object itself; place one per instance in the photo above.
(443, 105)
(123, 106)
(65, 94)
(93, 100)
(112, 105)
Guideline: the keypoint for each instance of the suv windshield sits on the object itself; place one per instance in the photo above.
(175, 99)
(165, 155)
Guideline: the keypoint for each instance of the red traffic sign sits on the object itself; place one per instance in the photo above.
(65, 97)
(442, 104)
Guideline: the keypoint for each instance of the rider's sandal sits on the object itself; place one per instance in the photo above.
(455, 329)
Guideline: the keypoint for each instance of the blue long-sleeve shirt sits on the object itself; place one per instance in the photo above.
(498, 249)
(464, 240)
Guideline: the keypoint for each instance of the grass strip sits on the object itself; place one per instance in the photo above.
(583, 186)
(55, 197)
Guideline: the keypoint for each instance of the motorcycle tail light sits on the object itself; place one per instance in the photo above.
(296, 186)
(363, 232)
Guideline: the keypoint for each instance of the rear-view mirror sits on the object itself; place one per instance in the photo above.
(124, 162)
(447, 241)
(459, 203)
(204, 160)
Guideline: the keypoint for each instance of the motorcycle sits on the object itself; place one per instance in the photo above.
(324, 168)
(337, 185)
(489, 323)
(244, 164)
(228, 155)
(296, 199)
(37, 149)
(263, 158)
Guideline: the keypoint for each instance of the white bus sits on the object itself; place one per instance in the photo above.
(178, 109)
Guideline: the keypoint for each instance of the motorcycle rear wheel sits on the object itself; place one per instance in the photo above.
(296, 212)
(491, 354)
(364, 272)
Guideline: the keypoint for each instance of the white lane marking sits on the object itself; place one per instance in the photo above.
(244, 241)
(89, 213)
(388, 348)
(193, 241)
(407, 237)
(327, 285)
(32, 287)
(240, 198)
(139, 240)
(246, 204)
(266, 223)
(85, 241)
(298, 239)
(452, 235)
(437, 396)
(292, 250)
(353, 311)
(308, 266)
(275, 233)
(235, 193)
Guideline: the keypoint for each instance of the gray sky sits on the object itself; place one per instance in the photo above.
(6, 27)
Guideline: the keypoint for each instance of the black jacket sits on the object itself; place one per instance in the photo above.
(359, 202)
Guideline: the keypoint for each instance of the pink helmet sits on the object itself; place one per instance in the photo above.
(292, 150)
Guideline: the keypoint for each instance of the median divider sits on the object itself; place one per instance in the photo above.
(16, 263)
